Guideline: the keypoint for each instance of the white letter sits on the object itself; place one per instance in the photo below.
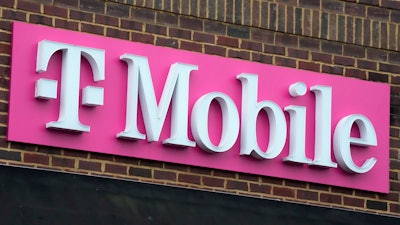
(342, 141)
(176, 89)
(323, 119)
(68, 118)
(297, 137)
(230, 122)
(250, 111)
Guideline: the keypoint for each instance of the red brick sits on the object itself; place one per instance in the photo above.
(330, 198)
(214, 50)
(28, 6)
(307, 195)
(36, 158)
(237, 185)
(7, 3)
(191, 46)
(283, 191)
(117, 169)
(394, 208)
(214, 27)
(88, 165)
(203, 37)
(144, 38)
(260, 188)
(189, 178)
(280, 61)
(213, 182)
(165, 175)
(227, 41)
(55, 11)
(63, 162)
(278, 50)
(70, 25)
(356, 202)
(82, 16)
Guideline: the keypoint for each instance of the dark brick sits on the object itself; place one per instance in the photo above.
(307, 22)
(283, 191)
(272, 16)
(49, 150)
(384, 36)
(167, 42)
(389, 68)
(332, 69)
(155, 29)
(375, 34)
(190, 23)
(331, 47)
(286, 40)
(119, 10)
(356, 73)
(353, 50)
(214, 27)
(372, 76)
(316, 28)
(238, 12)
(280, 61)
(165, 175)
(237, 185)
(391, 4)
(262, 58)
(203, 37)
(107, 20)
(131, 25)
(251, 45)
(349, 29)
(67, 3)
(377, 55)
(264, 36)
(324, 25)
(274, 49)
(213, 182)
(191, 46)
(356, 202)
(214, 50)
(309, 66)
(310, 4)
(330, 198)
(260, 188)
(239, 54)
(63, 162)
(227, 41)
(378, 13)
(55, 11)
(211, 10)
(355, 9)
(220, 10)
(166, 18)
(14, 15)
(70, 25)
(395, 16)
(394, 208)
(90, 28)
(238, 31)
(110, 32)
(144, 38)
(180, 33)
(344, 61)
(358, 31)
(143, 14)
(367, 32)
(281, 18)
(82, 16)
(309, 44)
(88, 165)
(7, 3)
(38, 19)
(364, 64)
(341, 31)
(377, 205)
(223, 173)
(28, 6)
(116, 169)
(298, 14)
(332, 6)
(189, 178)
(307, 195)
(296, 53)
(289, 19)
(10, 155)
(151, 163)
(140, 172)
(95, 6)
(321, 57)
(194, 8)
(36, 158)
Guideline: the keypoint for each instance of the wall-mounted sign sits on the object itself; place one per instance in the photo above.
(92, 93)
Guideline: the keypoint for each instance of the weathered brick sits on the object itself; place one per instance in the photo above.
(389, 68)
(377, 205)
(36, 158)
(67, 3)
(14, 15)
(63, 162)
(237, 185)
(286, 40)
(89, 165)
(331, 47)
(189, 178)
(262, 58)
(283, 191)
(307, 195)
(310, 4)
(81, 16)
(140, 172)
(165, 175)
(264, 36)
(7, 3)
(95, 6)
(364, 64)
(321, 57)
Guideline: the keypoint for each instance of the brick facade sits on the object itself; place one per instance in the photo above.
(352, 38)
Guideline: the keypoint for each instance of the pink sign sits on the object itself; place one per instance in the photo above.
(92, 93)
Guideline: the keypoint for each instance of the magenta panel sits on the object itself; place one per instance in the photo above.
(28, 115)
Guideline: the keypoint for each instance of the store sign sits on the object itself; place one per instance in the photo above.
(92, 93)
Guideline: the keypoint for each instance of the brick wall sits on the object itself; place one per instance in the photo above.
(353, 38)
